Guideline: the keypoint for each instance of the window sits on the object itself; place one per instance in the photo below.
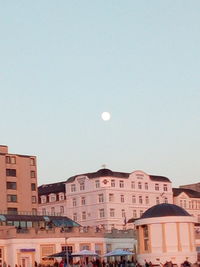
(75, 216)
(134, 213)
(11, 185)
(61, 197)
(10, 160)
(165, 200)
(147, 200)
(52, 198)
(165, 187)
(43, 199)
(73, 188)
(133, 199)
(34, 199)
(83, 201)
(45, 251)
(123, 214)
(12, 198)
(83, 215)
(67, 248)
(74, 202)
(13, 160)
(61, 210)
(82, 186)
(32, 161)
(141, 212)
(11, 172)
(12, 210)
(101, 198)
(181, 203)
(101, 213)
(145, 237)
(157, 187)
(121, 184)
(52, 211)
(33, 187)
(157, 200)
(111, 197)
(112, 183)
(112, 212)
(97, 183)
(139, 185)
(146, 186)
(34, 211)
(140, 200)
(43, 211)
(33, 174)
(184, 203)
(133, 185)
(122, 198)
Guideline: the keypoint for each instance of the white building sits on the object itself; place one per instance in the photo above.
(107, 198)
(189, 200)
(166, 234)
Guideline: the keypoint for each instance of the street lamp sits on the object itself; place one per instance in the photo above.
(66, 254)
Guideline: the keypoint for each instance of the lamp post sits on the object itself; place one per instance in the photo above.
(66, 254)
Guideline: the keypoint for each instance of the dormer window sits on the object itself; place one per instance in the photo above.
(52, 198)
(43, 199)
(61, 197)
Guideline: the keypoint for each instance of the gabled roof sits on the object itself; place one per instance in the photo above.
(191, 193)
(46, 189)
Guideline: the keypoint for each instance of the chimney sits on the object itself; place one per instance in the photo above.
(3, 149)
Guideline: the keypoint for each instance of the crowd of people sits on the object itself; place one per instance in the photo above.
(102, 263)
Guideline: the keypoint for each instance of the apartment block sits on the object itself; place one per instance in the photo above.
(18, 183)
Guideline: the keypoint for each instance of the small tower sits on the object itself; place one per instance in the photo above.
(166, 233)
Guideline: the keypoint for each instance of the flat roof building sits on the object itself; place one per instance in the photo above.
(18, 182)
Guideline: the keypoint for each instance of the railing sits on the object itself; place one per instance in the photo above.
(33, 213)
(20, 232)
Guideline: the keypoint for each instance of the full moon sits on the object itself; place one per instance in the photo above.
(105, 116)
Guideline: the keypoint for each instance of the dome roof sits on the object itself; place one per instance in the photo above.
(164, 209)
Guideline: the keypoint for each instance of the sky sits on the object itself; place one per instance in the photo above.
(63, 63)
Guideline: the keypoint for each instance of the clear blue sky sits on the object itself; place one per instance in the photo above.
(64, 62)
